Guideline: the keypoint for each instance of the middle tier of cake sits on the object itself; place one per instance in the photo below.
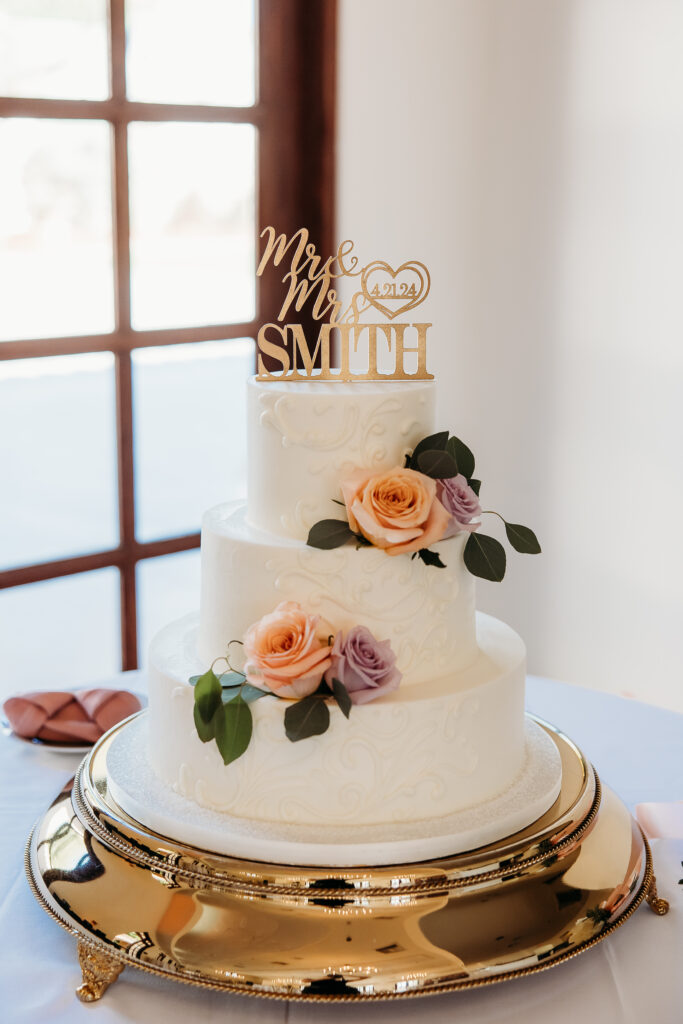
(427, 613)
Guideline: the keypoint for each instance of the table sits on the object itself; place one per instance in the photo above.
(634, 975)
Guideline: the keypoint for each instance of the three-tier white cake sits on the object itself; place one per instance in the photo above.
(451, 737)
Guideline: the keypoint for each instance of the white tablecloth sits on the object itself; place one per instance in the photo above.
(634, 976)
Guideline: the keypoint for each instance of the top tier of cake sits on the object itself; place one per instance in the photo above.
(304, 437)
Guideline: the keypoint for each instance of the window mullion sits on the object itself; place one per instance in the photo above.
(124, 381)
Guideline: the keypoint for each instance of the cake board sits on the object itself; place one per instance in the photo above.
(522, 904)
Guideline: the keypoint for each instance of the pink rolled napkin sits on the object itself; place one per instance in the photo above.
(661, 820)
(64, 717)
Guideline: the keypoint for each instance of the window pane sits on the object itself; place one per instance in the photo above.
(55, 228)
(208, 57)
(192, 224)
(56, 49)
(168, 588)
(190, 448)
(57, 458)
(61, 633)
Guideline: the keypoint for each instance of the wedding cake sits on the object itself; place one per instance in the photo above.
(451, 736)
(338, 700)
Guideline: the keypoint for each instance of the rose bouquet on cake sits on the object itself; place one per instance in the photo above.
(433, 496)
(296, 657)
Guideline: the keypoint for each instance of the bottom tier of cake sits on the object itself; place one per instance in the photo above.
(417, 754)
(141, 795)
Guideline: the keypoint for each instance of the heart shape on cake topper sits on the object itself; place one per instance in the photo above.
(408, 286)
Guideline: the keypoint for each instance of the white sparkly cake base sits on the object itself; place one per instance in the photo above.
(139, 792)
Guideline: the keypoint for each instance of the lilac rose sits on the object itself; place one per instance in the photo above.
(461, 503)
(366, 666)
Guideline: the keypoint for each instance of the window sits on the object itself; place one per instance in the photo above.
(144, 145)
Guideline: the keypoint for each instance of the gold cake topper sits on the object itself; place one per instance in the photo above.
(310, 280)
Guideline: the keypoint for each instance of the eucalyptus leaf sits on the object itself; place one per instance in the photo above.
(231, 679)
(463, 456)
(522, 539)
(193, 680)
(207, 695)
(485, 557)
(329, 533)
(308, 717)
(431, 558)
(205, 730)
(437, 465)
(251, 693)
(475, 485)
(341, 695)
(435, 442)
(233, 729)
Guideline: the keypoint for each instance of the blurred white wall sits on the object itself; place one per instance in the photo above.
(531, 153)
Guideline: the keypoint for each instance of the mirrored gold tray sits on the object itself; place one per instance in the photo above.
(526, 903)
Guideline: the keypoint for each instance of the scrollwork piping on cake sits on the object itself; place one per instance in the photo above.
(381, 591)
(275, 416)
(357, 431)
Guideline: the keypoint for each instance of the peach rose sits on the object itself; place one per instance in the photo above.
(397, 510)
(287, 651)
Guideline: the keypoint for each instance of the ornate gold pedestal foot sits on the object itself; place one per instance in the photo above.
(657, 904)
(99, 971)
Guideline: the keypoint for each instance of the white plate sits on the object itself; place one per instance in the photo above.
(53, 746)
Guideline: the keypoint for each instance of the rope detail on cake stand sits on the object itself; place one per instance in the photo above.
(209, 878)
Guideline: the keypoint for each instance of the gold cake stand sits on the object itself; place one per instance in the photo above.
(526, 903)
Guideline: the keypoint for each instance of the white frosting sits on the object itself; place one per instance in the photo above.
(450, 739)
(420, 753)
(426, 612)
(304, 437)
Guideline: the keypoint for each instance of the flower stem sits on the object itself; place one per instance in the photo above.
(490, 512)
(237, 671)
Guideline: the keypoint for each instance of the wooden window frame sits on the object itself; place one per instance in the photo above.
(295, 120)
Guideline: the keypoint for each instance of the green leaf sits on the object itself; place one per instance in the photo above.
(463, 456)
(485, 557)
(433, 443)
(251, 693)
(308, 717)
(233, 729)
(341, 695)
(207, 695)
(522, 539)
(193, 680)
(431, 558)
(329, 533)
(361, 541)
(438, 465)
(475, 485)
(205, 730)
(231, 679)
